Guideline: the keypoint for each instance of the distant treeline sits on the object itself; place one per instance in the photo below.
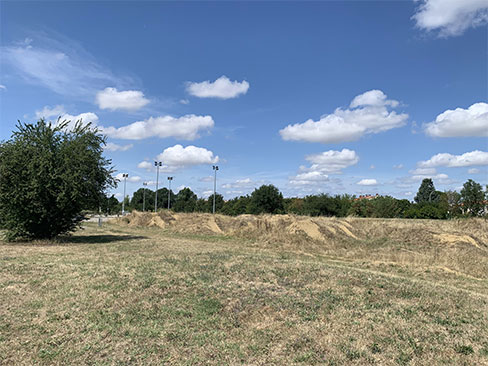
(428, 203)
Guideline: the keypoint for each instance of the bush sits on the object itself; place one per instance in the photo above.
(48, 176)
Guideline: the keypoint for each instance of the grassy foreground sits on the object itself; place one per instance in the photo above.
(130, 295)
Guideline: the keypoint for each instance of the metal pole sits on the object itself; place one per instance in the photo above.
(158, 164)
(169, 191)
(144, 197)
(157, 181)
(123, 199)
(215, 168)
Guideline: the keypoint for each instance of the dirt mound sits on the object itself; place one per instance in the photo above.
(289, 229)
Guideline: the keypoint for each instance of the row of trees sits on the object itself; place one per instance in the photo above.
(51, 174)
(429, 203)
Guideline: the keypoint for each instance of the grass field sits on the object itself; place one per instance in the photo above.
(122, 295)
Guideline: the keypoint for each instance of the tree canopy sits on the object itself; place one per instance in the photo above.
(48, 176)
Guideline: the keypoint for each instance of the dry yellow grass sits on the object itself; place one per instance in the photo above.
(281, 290)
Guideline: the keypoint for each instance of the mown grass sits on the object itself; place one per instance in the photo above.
(121, 296)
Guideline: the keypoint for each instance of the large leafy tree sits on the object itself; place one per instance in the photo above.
(472, 198)
(138, 198)
(266, 199)
(48, 176)
(427, 192)
(186, 201)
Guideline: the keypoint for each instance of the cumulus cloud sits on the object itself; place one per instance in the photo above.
(332, 161)
(206, 179)
(179, 157)
(472, 158)
(145, 165)
(110, 146)
(85, 118)
(367, 182)
(47, 111)
(185, 127)
(473, 171)
(221, 88)
(3, 87)
(129, 100)
(451, 17)
(398, 166)
(324, 164)
(372, 98)
(460, 122)
(132, 179)
(368, 113)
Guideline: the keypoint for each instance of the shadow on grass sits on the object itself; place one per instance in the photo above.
(77, 240)
(96, 239)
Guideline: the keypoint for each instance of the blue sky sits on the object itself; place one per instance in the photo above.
(333, 97)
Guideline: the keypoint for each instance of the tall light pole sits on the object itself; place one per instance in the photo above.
(157, 164)
(169, 191)
(144, 196)
(123, 199)
(215, 168)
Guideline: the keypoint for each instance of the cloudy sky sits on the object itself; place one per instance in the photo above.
(334, 97)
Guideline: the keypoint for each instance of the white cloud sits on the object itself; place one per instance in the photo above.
(85, 118)
(3, 87)
(309, 178)
(129, 100)
(178, 157)
(472, 158)
(423, 171)
(372, 98)
(451, 17)
(240, 183)
(460, 122)
(367, 182)
(145, 165)
(398, 166)
(473, 171)
(110, 146)
(328, 162)
(59, 65)
(132, 179)
(221, 88)
(368, 113)
(332, 161)
(206, 179)
(48, 111)
(440, 178)
(186, 128)
(184, 101)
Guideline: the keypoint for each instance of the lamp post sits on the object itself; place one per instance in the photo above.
(123, 198)
(144, 196)
(169, 191)
(157, 164)
(215, 168)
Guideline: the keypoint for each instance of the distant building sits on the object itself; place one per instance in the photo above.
(366, 197)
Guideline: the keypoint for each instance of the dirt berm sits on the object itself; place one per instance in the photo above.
(297, 229)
